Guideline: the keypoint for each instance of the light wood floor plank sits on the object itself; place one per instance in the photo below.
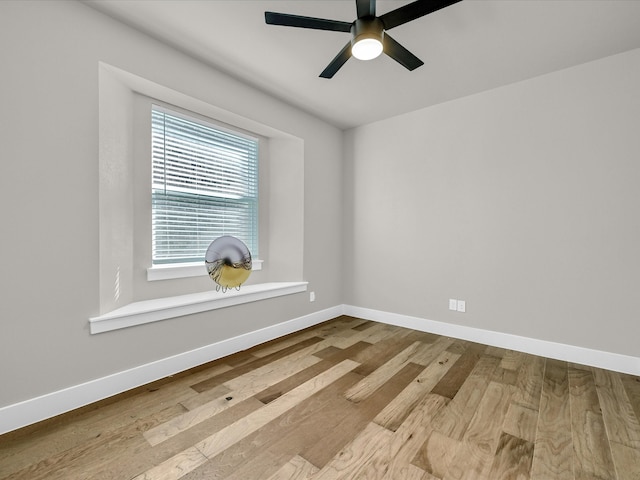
(408, 439)
(451, 383)
(620, 420)
(632, 387)
(296, 469)
(436, 453)
(459, 346)
(529, 382)
(371, 335)
(553, 454)
(512, 360)
(495, 351)
(430, 351)
(382, 350)
(513, 458)
(621, 423)
(454, 420)
(376, 332)
(505, 376)
(627, 461)
(266, 463)
(476, 452)
(355, 460)
(414, 473)
(521, 422)
(592, 452)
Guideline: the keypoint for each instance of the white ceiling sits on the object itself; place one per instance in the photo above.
(467, 48)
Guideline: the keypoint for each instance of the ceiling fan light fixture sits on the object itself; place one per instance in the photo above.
(366, 38)
(366, 48)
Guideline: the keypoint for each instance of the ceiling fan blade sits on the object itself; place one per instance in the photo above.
(400, 54)
(287, 20)
(337, 62)
(366, 8)
(412, 11)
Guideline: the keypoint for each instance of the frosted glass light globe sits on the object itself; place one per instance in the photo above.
(366, 49)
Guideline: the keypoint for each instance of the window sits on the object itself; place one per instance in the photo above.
(204, 185)
(125, 200)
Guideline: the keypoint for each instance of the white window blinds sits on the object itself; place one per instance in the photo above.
(204, 185)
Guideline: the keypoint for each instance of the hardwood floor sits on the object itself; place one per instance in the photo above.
(350, 399)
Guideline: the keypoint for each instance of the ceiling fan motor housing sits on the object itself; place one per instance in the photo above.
(366, 27)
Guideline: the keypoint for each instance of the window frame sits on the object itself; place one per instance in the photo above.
(141, 150)
(253, 164)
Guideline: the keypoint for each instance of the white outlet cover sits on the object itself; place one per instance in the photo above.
(462, 306)
(453, 304)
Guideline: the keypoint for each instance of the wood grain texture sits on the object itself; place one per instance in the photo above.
(377, 378)
(436, 454)
(621, 423)
(390, 460)
(295, 469)
(186, 461)
(592, 452)
(427, 408)
(553, 455)
(480, 441)
(632, 387)
(512, 459)
(401, 407)
(455, 419)
(620, 419)
(529, 382)
(355, 417)
(451, 383)
(409, 437)
(239, 389)
(521, 422)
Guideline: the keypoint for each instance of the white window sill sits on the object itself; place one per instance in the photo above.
(148, 311)
(183, 270)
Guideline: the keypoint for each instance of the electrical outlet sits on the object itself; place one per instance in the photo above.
(453, 304)
(312, 296)
(462, 306)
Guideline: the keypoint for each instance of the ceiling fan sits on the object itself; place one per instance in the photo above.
(369, 37)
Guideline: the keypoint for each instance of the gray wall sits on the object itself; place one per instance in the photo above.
(523, 201)
(49, 181)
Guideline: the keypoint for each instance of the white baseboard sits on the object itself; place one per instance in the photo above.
(544, 348)
(46, 406)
